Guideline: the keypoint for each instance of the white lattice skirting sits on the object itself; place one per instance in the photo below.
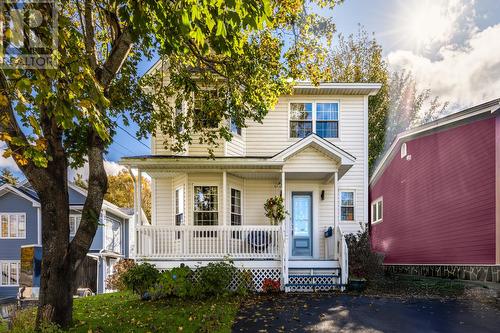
(258, 277)
(312, 280)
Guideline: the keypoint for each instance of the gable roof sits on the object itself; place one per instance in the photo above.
(345, 159)
(481, 111)
(8, 188)
(24, 190)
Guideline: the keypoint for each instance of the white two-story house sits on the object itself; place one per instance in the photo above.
(312, 149)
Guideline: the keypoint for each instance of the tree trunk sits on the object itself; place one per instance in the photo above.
(56, 294)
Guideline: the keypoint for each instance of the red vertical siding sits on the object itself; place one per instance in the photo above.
(439, 207)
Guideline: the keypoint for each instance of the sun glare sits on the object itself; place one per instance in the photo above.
(425, 22)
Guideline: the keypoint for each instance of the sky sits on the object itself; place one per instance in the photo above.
(451, 46)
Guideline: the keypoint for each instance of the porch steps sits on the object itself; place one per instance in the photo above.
(317, 279)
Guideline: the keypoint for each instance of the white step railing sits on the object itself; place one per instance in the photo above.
(343, 256)
(209, 242)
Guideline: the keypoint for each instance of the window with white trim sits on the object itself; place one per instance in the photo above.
(404, 150)
(13, 225)
(377, 209)
(203, 100)
(10, 273)
(235, 129)
(347, 206)
(301, 120)
(113, 233)
(179, 206)
(206, 208)
(313, 117)
(327, 120)
(235, 207)
(74, 223)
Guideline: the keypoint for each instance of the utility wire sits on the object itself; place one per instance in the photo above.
(132, 136)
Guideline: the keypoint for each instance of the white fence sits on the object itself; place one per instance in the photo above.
(209, 242)
(343, 256)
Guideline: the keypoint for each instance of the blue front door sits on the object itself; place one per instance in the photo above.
(302, 224)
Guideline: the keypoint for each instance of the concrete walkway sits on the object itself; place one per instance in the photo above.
(344, 313)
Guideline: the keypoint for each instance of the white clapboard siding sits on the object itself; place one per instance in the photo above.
(164, 196)
(256, 192)
(310, 160)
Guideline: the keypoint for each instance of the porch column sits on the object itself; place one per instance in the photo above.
(224, 198)
(335, 211)
(139, 197)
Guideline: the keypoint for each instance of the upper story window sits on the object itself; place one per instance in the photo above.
(113, 234)
(347, 206)
(10, 273)
(206, 208)
(207, 99)
(74, 223)
(320, 118)
(12, 225)
(301, 120)
(179, 206)
(377, 208)
(404, 150)
(235, 129)
(327, 120)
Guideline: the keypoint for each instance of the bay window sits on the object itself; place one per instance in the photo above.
(179, 206)
(205, 205)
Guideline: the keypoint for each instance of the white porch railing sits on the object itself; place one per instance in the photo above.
(209, 242)
(343, 256)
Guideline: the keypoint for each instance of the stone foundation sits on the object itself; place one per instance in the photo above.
(462, 272)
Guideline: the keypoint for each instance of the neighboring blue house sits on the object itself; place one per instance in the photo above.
(20, 225)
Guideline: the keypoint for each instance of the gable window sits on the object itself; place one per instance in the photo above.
(12, 225)
(320, 118)
(404, 150)
(10, 273)
(179, 206)
(74, 223)
(301, 120)
(205, 205)
(347, 206)
(377, 208)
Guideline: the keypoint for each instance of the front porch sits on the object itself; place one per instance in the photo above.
(207, 210)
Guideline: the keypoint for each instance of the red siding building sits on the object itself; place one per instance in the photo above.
(435, 197)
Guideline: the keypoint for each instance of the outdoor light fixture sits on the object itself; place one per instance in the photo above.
(323, 195)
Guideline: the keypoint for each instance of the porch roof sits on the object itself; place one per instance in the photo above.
(176, 162)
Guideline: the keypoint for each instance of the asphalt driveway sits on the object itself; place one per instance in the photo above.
(344, 313)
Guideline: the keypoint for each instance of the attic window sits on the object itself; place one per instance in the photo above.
(404, 150)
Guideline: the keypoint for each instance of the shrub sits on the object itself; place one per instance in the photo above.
(140, 278)
(271, 286)
(115, 280)
(214, 279)
(177, 282)
(363, 262)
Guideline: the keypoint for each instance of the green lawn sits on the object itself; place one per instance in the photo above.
(123, 312)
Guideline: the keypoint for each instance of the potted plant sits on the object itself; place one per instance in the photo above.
(275, 209)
